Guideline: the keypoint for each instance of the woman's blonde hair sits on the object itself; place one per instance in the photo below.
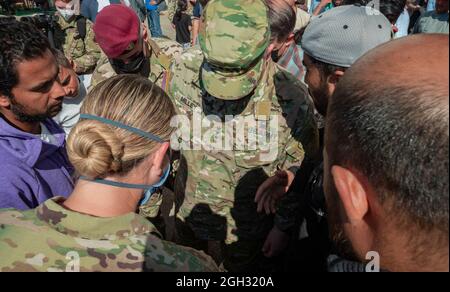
(96, 149)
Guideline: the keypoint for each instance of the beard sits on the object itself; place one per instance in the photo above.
(320, 97)
(20, 112)
(341, 243)
(343, 246)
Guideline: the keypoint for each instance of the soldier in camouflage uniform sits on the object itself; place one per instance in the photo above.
(172, 8)
(117, 26)
(74, 36)
(96, 228)
(215, 190)
(51, 238)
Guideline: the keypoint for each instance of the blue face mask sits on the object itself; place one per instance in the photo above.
(149, 189)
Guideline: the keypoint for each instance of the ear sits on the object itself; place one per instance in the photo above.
(72, 64)
(144, 31)
(351, 192)
(4, 101)
(159, 158)
(290, 40)
(269, 51)
(336, 76)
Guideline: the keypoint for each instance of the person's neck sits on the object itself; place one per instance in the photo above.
(28, 127)
(102, 200)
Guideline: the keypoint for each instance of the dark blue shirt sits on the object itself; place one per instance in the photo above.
(197, 12)
(89, 8)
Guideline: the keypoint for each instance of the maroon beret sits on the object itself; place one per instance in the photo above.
(116, 26)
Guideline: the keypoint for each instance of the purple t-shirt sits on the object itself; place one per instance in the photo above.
(32, 171)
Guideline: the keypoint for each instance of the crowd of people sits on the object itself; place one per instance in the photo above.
(269, 136)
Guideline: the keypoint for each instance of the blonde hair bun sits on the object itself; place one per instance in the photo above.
(98, 150)
(94, 149)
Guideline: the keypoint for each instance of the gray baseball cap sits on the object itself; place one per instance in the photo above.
(343, 34)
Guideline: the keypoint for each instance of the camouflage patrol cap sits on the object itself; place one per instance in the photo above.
(234, 36)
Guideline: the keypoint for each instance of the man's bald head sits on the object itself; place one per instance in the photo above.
(416, 61)
(388, 121)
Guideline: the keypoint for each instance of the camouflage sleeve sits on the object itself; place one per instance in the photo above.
(102, 71)
(171, 9)
(165, 256)
(190, 9)
(86, 63)
(303, 147)
(166, 51)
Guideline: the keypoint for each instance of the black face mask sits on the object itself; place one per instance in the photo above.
(275, 56)
(138, 65)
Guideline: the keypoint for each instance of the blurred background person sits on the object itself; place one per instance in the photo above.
(431, 5)
(283, 21)
(402, 24)
(434, 21)
(154, 20)
(90, 8)
(197, 12)
(325, 5)
(74, 36)
(75, 93)
(183, 25)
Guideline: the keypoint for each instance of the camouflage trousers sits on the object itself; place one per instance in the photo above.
(240, 256)
(237, 252)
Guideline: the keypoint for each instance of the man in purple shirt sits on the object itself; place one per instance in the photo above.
(34, 164)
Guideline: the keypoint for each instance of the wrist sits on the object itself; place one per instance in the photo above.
(279, 231)
(282, 227)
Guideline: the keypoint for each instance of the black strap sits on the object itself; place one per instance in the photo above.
(81, 27)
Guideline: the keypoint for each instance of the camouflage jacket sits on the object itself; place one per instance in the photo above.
(85, 53)
(172, 8)
(52, 238)
(162, 51)
(216, 189)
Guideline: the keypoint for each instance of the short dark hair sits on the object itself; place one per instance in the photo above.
(281, 18)
(397, 137)
(392, 9)
(325, 69)
(61, 59)
(181, 7)
(19, 41)
(356, 2)
(389, 8)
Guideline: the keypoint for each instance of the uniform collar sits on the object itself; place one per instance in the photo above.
(89, 227)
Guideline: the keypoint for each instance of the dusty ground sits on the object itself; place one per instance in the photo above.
(166, 26)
